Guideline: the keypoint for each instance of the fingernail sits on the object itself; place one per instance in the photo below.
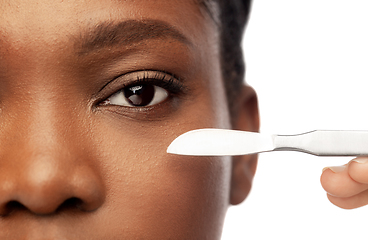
(335, 169)
(360, 160)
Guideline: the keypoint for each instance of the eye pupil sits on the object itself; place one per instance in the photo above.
(140, 95)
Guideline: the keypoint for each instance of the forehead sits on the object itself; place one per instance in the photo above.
(55, 20)
(34, 11)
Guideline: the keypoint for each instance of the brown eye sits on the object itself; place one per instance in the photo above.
(141, 95)
(138, 96)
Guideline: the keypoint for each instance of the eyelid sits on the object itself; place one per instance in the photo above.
(160, 79)
(168, 81)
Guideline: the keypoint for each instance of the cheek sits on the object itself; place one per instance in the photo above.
(169, 196)
(148, 188)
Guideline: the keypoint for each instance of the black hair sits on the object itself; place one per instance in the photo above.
(233, 18)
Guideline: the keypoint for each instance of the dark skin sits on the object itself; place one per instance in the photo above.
(77, 163)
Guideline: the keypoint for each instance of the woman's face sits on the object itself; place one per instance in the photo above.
(91, 94)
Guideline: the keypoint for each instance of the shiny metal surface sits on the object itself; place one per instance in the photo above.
(221, 142)
(325, 143)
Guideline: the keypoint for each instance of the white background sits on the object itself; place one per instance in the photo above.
(308, 61)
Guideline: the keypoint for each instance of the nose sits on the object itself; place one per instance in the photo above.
(47, 175)
(44, 185)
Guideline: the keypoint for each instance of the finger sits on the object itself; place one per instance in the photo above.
(337, 182)
(358, 169)
(356, 201)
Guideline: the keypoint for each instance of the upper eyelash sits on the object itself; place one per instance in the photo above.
(161, 79)
(169, 82)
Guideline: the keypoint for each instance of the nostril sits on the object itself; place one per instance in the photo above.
(70, 204)
(10, 207)
(15, 205)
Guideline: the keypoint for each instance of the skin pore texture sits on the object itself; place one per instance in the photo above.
(77, 164)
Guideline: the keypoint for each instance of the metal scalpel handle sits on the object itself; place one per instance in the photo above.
(325, 143)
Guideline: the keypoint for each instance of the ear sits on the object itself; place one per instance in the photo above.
(244, 167)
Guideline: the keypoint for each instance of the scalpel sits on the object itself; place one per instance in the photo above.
(223, 142)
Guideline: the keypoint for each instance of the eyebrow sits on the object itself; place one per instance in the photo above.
(126, 33)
